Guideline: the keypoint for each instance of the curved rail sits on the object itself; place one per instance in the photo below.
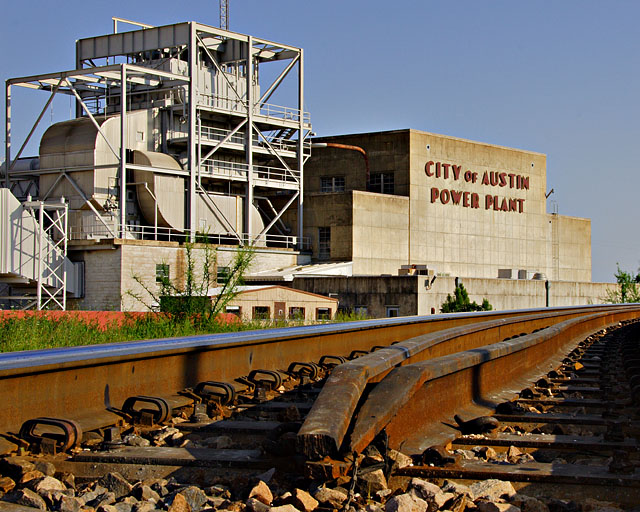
(82, 382)
(438, 373)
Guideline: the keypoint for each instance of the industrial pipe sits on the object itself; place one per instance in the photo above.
(345, 146)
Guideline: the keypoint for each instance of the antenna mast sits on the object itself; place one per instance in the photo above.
(224, 14)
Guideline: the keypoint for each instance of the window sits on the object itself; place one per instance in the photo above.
(324, 243)
(222, 275)
(234, 310)
(296, 313)
(382, 182)
(323, 314)
(261, 313)
(162, 273)
(393, 311)
(332, 184)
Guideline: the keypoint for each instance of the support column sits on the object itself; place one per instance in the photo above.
(301, 148)
(248, 226)
(192, 157)
(123, 151)
(7, 148)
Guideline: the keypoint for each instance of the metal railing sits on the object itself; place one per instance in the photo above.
(280, 112)
(237, 105)
(240, 171)
(140, 232)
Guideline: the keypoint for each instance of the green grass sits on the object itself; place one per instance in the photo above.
(33, 332)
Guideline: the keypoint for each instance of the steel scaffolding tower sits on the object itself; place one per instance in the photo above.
(206, 109)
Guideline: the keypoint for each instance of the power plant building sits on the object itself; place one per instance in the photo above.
(217, 146)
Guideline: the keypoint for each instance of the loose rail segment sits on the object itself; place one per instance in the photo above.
(444, 371)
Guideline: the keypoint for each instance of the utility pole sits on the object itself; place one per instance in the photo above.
(224, 14)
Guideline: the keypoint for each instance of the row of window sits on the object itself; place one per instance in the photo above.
(163, 271)
(295, 312)
(381, 182)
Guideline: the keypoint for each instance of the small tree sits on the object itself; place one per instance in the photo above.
(187, 295)
(460, 302)
(628, 290)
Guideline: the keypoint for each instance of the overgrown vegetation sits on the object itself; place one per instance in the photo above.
(187, 296)
(37, 332)
(460, 302)
(628, 289)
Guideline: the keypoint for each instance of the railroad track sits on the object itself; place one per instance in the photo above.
(337, 403)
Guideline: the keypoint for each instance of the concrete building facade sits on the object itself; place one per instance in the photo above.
(461, 208)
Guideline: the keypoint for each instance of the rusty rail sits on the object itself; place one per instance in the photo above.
(463, 354)
(81, 383)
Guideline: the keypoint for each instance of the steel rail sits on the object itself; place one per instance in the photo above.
(413, 402)
(79, 382)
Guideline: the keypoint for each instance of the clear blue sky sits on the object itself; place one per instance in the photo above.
(557, 77)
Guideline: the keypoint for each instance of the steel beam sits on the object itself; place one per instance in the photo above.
(301, 149)
(123, 150)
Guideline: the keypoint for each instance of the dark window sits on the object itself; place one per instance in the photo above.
(323, 314)
(222, 275)
(162, 273)
(324, 243)
(261, 313)
(296, 313)
(382, 182)
(332, 184)
(393, 311)
(234, 310)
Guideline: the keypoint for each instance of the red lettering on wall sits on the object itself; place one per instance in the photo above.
(525, 182)
(513, 205)
(444, 196)
(468, 176)
(465, 200)
(485, 178)
(456, 171)
(520, 205)
(488, 201)
(503, 179)
(438, 165)
(445, 171)
(434, 194)
(455, 196)
(475, 200)
(427, 169)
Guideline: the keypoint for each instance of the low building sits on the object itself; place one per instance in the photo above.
(280, 303)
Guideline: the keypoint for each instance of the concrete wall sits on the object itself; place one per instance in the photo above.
(574, 249)
(386, 151)
(380, 233)
(111, 269)
(472, 238)
(413, 297)
(102, 278)
(376, 293)
(335, 212)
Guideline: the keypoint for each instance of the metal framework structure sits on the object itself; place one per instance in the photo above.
(224, 14)
(51, 224)
(204, 84)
